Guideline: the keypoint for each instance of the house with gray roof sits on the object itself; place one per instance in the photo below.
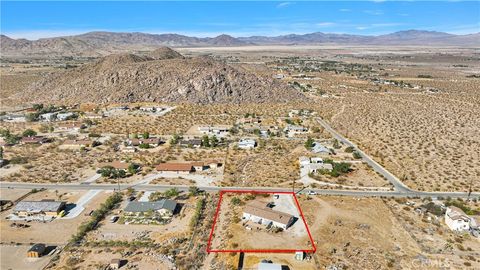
(164, 208)
(38, 208)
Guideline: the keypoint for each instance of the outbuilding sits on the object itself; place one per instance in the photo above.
(36, 251)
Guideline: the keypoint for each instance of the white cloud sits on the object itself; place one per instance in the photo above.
(345, 10)
(374, 12)
(325, 24)
(284, 4)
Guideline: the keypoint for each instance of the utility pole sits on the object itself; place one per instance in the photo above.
(293, 185)
(470, 189)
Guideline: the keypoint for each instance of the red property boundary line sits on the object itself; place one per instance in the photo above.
(312, 250)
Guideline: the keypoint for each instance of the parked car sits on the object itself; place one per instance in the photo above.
(113, 219)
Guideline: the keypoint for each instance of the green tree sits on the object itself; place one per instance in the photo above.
(193, 191)
(309, 143)
(29, 132)
(235, 201)
(132, 168)
(146, 135)
(175, 139)
(214, 141)
(205, 141)
(144, 146)
(4, 132)
(32, 117)
(356, 155)
(349, 149)
(233, 130)
(37, 107)
(173, 192)
(336, 144)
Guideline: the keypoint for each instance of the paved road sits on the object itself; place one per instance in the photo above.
(358, 193)
(398, 185)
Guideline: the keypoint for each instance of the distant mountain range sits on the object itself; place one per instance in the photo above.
(103, 43)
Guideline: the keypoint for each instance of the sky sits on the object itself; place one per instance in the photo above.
(39, 19)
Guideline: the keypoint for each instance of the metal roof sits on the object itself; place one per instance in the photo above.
(154, 206)
(38, 206)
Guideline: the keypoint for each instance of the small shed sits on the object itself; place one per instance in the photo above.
(36, 251)
(115, 264)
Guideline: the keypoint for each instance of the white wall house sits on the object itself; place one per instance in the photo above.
(219, 131)
(261, 214)
(456, 219)
(247, 144)
(292, 130)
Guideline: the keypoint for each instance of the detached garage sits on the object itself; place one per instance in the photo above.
(36, 251)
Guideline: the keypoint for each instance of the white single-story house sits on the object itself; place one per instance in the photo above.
(292, 130)
(247, 144)
(456, 219)
(304, 161)
(269, 266)
(64, 116)
(259, 213)
(317, 167)
(214, 130)
(165, 208)
(47, 117)
(320, 149)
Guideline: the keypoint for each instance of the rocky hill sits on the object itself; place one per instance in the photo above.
(130, 78)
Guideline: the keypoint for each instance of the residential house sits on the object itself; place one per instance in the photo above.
(71, 126)
(129, 149)
(259, 213)
(317, 167)
(314, 164)
(36, 251)
(456, 219)
(213, 163)
(198, 166)
(304, 161)
(264, 131)
(320, 149)
(164, 208)
(115, 264)
(48, 117)
(247, 144)
(90, 115)
(316, 160)
(152, 142)
(293, 113)
(270, 266)
(65, 116)
(77, 143)
(191, 143)
(176, 167)
(38, 208)
(293, 130)
(34, 140)
(219, 131)
(151, 109)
